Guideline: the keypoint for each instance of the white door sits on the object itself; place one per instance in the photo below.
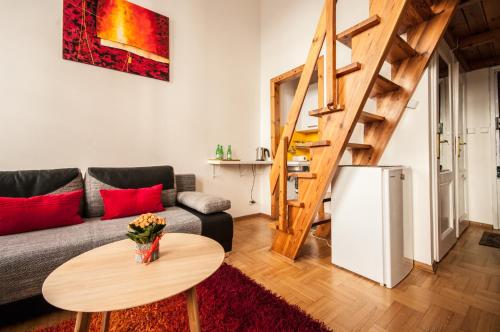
(446, 226)
(461, 198)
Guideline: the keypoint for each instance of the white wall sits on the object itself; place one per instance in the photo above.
(57, 113)
(409, 146)
(285, 40)
(479, 146)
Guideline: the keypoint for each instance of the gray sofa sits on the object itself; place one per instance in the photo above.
(26, 259)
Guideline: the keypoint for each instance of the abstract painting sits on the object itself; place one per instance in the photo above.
(117, 34)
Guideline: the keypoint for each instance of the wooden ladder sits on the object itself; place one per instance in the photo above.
(404, 33)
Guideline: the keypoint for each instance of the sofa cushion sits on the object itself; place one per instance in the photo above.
(120, 203)
(41, 182)
(178, 221)
(185, 182)
(19, 214)
(203, 203)
(97, 179)
(27, 259)
(217, 226)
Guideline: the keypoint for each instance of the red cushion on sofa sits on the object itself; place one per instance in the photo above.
(120, 203)
(18, 215)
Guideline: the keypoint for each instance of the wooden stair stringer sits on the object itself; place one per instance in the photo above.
(298, 100)
(424, 38)
(371, 50)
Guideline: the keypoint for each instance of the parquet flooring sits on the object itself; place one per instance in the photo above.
(464, 295)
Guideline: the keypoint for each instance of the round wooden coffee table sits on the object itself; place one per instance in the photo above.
(107, 278)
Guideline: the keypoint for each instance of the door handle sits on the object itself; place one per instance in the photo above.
(460, 143)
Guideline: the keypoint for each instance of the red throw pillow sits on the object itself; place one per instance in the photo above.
(18, 215)
(121, 203)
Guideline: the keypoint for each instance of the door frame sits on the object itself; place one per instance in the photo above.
(276, 121)
(457, 104)
(446, 54)
(494, 107)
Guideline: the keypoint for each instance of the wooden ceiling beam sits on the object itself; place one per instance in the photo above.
(479, 39)
(484, 63)
(468, 3)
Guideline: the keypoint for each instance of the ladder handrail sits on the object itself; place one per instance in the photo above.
(283, 207)
(327, 17)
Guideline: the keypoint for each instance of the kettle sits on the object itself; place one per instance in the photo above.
(261, 154)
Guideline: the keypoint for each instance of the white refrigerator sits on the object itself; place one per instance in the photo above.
(372, 232)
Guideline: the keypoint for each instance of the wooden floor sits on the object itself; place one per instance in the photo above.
(464, 295)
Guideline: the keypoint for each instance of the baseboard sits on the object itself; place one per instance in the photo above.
(251, 216)
(426, 267)
(480, 224)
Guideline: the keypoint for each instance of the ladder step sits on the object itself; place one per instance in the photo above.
(355, 66)
(337, 108)
(303, 175)
(417, 11)
(382, 86)
(326, 110)
(357, 146)
(324, 219)
(318, 144)
(296, 204)
(370, 117)
(400, 50)
(345, 37)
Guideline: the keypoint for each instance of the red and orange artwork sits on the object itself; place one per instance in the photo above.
(117, 34)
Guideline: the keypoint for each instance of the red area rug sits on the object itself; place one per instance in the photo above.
(228, 301)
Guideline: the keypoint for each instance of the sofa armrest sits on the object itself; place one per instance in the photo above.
(203, 203)
(185, 182)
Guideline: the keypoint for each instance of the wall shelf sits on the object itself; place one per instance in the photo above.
(239, 163)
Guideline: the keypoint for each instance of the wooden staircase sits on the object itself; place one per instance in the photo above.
(404, 33)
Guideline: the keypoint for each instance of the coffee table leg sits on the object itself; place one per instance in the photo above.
(82, 322)
(192, 308)
(105, 321)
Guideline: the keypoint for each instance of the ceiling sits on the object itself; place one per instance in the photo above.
(474, 34)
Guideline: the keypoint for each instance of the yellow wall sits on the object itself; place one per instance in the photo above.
(301, 137)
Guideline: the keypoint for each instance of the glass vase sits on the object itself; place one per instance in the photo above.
(143, 250)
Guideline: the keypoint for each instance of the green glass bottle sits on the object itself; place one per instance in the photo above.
(221, 153)
(217, 152)
(229, 155)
